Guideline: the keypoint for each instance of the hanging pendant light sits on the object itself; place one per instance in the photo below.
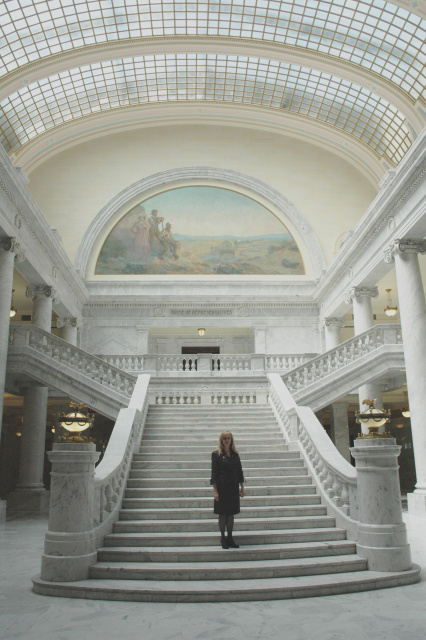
(406, 410)
(12, 312)
(390, 310)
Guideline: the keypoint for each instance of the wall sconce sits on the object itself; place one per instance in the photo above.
(12, 312)
(71, 425)
(373, 419)
(201, 332)
(406, 410)
(390, 310)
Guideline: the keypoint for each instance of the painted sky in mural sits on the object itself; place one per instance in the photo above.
(200, 231)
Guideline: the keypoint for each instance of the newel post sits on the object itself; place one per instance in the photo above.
(70, 543)
(382, 535)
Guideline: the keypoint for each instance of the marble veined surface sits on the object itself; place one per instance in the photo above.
(390, 614)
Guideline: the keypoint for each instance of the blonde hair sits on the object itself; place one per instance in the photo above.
(232, 445)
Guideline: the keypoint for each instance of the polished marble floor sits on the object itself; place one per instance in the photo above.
(391, 614)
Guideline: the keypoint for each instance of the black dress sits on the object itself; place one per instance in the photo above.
(227, 473)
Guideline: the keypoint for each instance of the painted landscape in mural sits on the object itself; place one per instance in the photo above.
(199, 231)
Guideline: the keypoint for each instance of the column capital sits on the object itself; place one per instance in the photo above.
(34, 290)
(408, 245)
(10, 244)
(361, 292)
(333, 322)
(69, 322)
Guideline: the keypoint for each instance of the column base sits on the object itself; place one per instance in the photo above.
(2, 511)
(28, 501)
(68, 568)
(417, 504)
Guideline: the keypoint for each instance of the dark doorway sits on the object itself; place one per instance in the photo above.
(193, 350)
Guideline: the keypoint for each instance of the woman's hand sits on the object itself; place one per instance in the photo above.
(216, 495)
(242, 491)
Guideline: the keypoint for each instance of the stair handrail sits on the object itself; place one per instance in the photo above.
(340, 356)
(333, 475)
(46, 343)
(112, 472)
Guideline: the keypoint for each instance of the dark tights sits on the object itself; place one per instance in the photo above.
(228, 521)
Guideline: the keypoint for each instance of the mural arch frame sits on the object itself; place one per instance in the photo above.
(279, 206)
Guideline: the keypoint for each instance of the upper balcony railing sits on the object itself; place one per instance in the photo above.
(346, 353)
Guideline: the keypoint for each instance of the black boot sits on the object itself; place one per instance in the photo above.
(231, 542)
(224, 542)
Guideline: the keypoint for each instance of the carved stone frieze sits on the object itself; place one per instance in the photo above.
(409, 245)
(361, 292)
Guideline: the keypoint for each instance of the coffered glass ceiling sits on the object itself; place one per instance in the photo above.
(377, 36)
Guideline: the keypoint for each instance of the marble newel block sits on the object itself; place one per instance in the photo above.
(382, 535)
(69, 546)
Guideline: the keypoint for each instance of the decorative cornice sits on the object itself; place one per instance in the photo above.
(408, 245)
(361, 292)
(62, 322)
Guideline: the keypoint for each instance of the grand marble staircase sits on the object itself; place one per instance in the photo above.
(165, 545)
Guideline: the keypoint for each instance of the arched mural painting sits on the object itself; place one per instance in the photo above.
(200, 230)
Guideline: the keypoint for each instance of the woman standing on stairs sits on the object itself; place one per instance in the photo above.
(227, 478)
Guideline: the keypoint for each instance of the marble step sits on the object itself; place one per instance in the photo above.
(249, 524)
(201, 474)
(255, 439)
(212, 538)
(197, 513)
(134, 490)
(229, 570)
(200, 450)
(196, 503)
(206, 464)
(217, 554)
(226, 590)
(256, 481)
(201, 455)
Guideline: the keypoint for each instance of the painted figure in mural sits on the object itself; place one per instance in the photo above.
(228, 485)
(169, 243)
(140, 251)
(154, 231)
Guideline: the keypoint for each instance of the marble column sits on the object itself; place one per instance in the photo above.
(332, 328)
(382, 535)
(363, 320)
(70, 542)
(69, 329)
(30, 493)
(412, 307)
(341, 429)
(9, 249)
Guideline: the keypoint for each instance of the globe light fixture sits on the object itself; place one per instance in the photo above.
(201, 332)
(373, 419)
(72, 425)
(12, 312)
(390, 310)
(406, 410)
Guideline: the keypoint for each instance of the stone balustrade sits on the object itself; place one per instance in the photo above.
(216, 364)
(334, 476)
(212, 396)
(346, 353)
(111, 474)
(82, 362)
